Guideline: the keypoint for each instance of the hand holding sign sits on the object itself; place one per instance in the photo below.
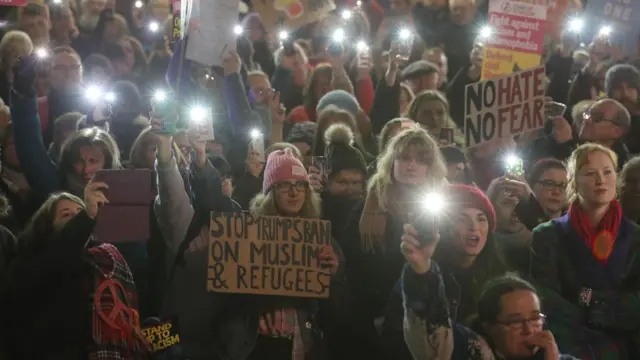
(329, 259)
(94, 198)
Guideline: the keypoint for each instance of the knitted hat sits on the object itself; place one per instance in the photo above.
(303, 132)
(282, 165)
(621, 73)
(340, 99)
(465, 196)
(339, 151)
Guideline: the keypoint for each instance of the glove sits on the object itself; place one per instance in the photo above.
(24, 75)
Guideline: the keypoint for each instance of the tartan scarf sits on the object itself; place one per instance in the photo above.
(115, 323)
(603, 238)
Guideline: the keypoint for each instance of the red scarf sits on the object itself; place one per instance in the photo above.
(602, 239)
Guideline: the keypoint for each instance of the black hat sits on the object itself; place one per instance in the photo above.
(340, 152)
(303, 132)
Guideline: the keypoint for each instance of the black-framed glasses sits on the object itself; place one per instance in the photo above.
(551, 185)
(536, 321)
(285, 187)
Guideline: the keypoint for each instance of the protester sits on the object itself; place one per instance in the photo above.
(14, 44)
(431, 110)
(578, 251)
(548, 181)
(629, 189)
(58, 255)
(35, 21)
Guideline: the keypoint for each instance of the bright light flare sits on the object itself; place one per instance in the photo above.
(237, 30)
(511, 160)
(485, 32)
(93, 93)
(255, 133)
(339, 35)
(42, 53)
(154, 26)
(283, 35)
(110, 96)
(159, 95)
(347, 14)
(405, 34)
(362, 46)
(576, 25)
(605, 30)
(434, 202)
(138, 4)
(198, 114)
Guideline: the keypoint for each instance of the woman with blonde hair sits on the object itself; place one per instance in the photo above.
(14, 45)
(586, 266)
(430, 109)
(410, 167)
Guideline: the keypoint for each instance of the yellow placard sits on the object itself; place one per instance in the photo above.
(500, 62)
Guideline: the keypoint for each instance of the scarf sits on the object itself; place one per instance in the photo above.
(115, 323)
(603, 238)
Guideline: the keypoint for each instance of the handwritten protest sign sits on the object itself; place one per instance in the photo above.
(161, 336)
(292, 13)
(268, 255)
(177, 23)
(621, 15)
(210, 29)
(517, 37)
(505, 106)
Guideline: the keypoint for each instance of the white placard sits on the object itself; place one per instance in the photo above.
(211, 34)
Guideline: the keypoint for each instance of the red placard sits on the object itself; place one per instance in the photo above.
(14, 2)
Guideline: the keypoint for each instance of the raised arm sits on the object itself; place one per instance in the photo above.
(40, 171)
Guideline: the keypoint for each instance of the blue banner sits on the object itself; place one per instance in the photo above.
(622, 16)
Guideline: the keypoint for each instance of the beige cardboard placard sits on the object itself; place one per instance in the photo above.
(292, 13)
(269, 255)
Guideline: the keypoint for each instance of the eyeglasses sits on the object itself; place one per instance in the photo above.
(551, 185)
(535, 321)
(285, 187)
(597, 117)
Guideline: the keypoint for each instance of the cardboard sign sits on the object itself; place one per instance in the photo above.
(292, 13)
(505, 106)
(211, 35)
(269, 255)
(161, 336)
(517, 39)
(623, 17)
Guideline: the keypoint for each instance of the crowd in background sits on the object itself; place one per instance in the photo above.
(543, 265)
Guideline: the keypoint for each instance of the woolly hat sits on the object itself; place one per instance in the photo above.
(340, 99)
(465, 196)
(621, 73)
(339, 150)
(282, 165)
(303, 132)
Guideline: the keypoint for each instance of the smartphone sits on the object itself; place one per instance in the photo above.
(403, 45)
(426, 226)
(514, 170)
(167, 111)
(257, 145)
(446, 136)
(288, 48)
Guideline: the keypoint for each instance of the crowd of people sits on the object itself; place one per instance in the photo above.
(438, 252)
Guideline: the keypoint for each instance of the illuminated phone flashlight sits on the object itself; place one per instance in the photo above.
(255, 133)
(358, 3)
(93, 93)
(575, 25)
(110, 97)
(159, 96)
(338, 35)
(198, 114)
(57, 2)
(605, 30)
(346, 14)
(511, 160)
(154, 26)
(433, 202)
(362, 46)
(404, 34)
(283, 35)
(42, 52)
(138, 4)
(485, 32)
(237, 30)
